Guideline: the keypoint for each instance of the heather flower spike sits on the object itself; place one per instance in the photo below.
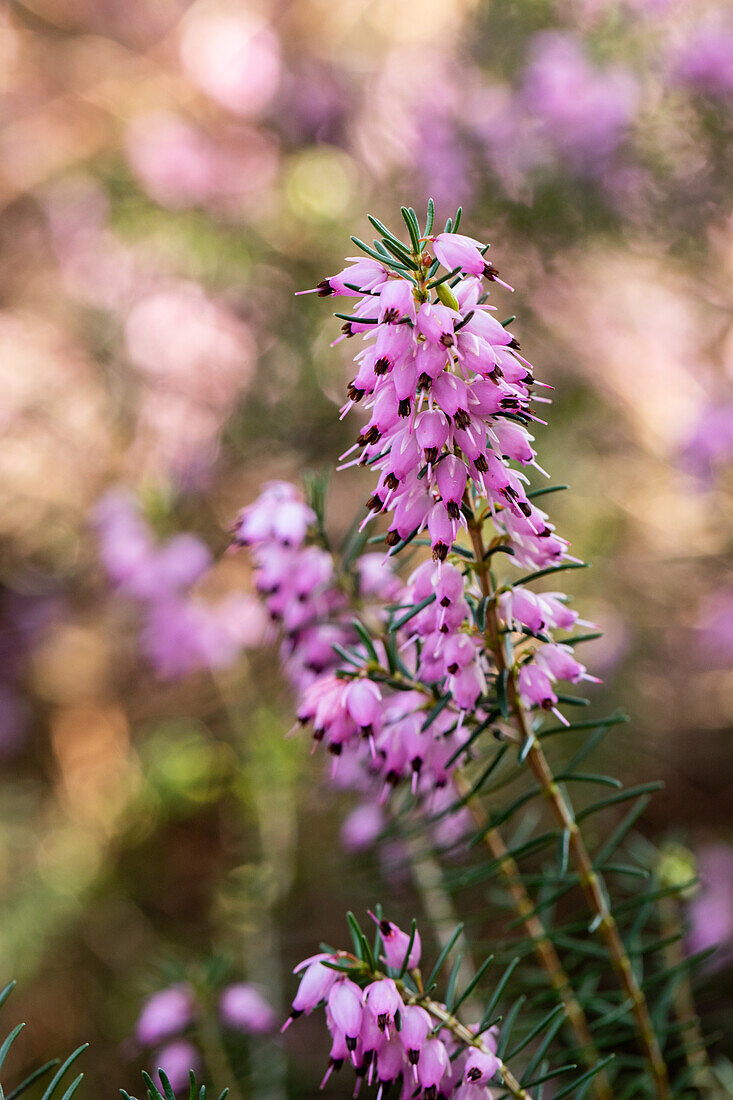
(404, 676)
(395, 1033)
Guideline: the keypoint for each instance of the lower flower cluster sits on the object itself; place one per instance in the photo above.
(180, 632)
(167, 1025)
(387, 1029)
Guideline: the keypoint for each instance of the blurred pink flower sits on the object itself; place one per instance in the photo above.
(177, 438)
(708, 451)
(168, 1012)
(362, 827)
(715, 628)
(704, 62)
(95, 265)
(174, 162)
(244, 1008)
(183, 635)
(178, 337)
(233, 56)
(178, 165)
(176, 1060)
(584, 111)
(711, 911)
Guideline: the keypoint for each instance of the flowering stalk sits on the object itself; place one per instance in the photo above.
(451, 401)
(308, 626)
(379, 1015)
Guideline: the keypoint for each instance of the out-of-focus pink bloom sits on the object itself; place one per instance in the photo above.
(315, 103)
(138, 566)
(583, 111)
(243, 1007)
(179, 165)
(174, 162)
(362, 827)
(166, 1013)
(704, 63)
(178, 337)
(95, 265)
(176, 1060)
(715, 628)
(708, 451)
(711, 911)
(182, 635)
(233, 56)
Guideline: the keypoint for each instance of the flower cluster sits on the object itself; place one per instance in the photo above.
(391, 1032)
(396, 701)
(168, 1016)
(449, 397)
(180, 633)
(377, 736)
(298, 581)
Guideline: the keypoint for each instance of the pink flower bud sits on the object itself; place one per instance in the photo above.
(314, 987)
(362, 827)
(416, 1024)
(455, 250)
(396, 943)
(345, 1004)
(535, 687)
(458, 652)
(390, 1061)
(436, 322)
(466, 687)
(242, 1006)
(396, 300)
(451, 476)
(431, 430)
(489, 329)
(480, 1066)
(514, 441)
(164, 1014)
(521, 605)
(432, 1066)
(449, 586)
(384, 1002)
(441, 530)
(363, 699)
(430, 360)
(485, 397)
(556, 612)
(451, 393)
(559, 663)
(176, 1060)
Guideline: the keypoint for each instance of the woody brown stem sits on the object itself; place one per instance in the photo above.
(684, 1005)
(590, 881)
(543, 946)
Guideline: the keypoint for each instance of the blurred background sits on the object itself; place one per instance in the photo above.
(170, 174)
